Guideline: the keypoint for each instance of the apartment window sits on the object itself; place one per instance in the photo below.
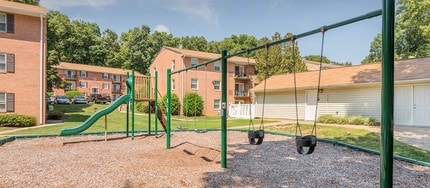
(83, 84)
(194, 84)
(6, 23)
(7, 62)
(83, 74)
(173, 64)
(194, 61)
(116, 87)
(116, 78)
(70, 86)
(70, 73)
(217, 85)
(217, 66)
(105, 76)
(217, 104)
(173, 84)
(7, 102)
(105, 86)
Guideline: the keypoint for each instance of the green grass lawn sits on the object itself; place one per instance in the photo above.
(358, 137)
(116, 121)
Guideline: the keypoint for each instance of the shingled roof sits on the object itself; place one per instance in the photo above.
(92, 68)
(208, 56)
(407, 70)
(22, 8)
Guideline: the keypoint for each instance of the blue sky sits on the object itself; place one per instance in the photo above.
(217, 19)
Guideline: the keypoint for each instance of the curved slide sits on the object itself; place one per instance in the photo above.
(93, 118)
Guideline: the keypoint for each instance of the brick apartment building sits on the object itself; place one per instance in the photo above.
(91, 79)
(22, 60)
(205, 80)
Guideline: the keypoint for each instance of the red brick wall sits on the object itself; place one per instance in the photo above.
(25, 82)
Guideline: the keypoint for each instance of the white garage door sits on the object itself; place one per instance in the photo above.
(422, 105)
(403, 105)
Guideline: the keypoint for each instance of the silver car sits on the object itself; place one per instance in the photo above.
(62, 100)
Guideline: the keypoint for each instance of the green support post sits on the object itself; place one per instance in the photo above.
(132, 104)
(224, 109)
(156, 102)
(387, 96)
(168, 110)
(148, 93)
(127, 110)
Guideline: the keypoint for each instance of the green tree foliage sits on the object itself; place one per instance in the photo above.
(135, 49)
(280, 58)
(234, 44)
(412, 32)
(73, 93)
(31, 2)
(193, 105)
(317, 58)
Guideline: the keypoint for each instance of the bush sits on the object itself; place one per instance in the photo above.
(16, 120)
(73, 93)
(193, 104)
(143, 107)
(55, 115)
(174, 104)
(354, 120)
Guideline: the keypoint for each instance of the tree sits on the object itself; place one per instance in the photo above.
(135, 45)
(193, 105)
(317, 58)
(412, 32)
(31, 2)
(280, 58)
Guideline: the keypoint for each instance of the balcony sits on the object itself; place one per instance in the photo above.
(241, 75)
(117, 80)
(240, 93)
(70, 76)
(116, 90)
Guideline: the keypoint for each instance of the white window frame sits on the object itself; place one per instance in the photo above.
(217, 66)
(83, 84)
(105, 85)
(3, 102)
(196, 84)
(116, 87)
(116, 78)
(83, 74)
(105, 76)
(217, 104)
(4, 62)
(216, 84)
(194, 61)
(173, 64)
(4, 22)
(72, 85)
(173, 84)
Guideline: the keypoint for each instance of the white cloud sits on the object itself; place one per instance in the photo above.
(162, 28)
(58, 4)
(199, 8)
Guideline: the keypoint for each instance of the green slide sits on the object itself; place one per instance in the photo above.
(92, 119)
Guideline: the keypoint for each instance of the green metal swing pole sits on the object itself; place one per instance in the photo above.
(224, 109)
(132, 104)
(148, 94)
(156, 102)
(168, 108)
(387, 94)
(128, 110)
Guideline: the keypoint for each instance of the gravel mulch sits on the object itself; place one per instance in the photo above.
(194, 161)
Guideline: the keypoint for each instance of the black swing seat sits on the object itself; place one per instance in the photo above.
(182, 128)
(200, 130)
(308, 141)
(253, 135)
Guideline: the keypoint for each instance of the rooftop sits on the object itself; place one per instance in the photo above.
(22, 8)
(207, 55)
(92, 68)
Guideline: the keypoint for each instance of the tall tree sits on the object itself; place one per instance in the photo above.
(31, 2)
(135, 45)
(412, 32)
(280, 58)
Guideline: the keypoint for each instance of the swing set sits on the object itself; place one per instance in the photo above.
(309, 141)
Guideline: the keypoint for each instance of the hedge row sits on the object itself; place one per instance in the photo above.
(16, 120)
(354, 120)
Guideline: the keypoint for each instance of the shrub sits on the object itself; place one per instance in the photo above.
(354, 120)
(16, 120)
(143, 107)
(193, 104)
(55, 115)
(174, 104)
(73, 93)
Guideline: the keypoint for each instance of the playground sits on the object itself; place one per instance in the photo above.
(193, 161)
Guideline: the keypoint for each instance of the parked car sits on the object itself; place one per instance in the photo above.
(98, 98)
(62, 100)
(80, 100)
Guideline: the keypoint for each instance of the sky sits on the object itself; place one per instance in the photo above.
(218, 19)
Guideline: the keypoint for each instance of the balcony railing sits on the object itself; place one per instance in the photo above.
(116, 90)
(68, 76)
(240, 93)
